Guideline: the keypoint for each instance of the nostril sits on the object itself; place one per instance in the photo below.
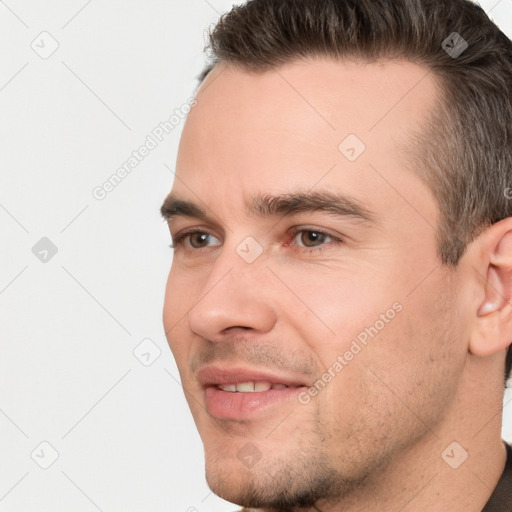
(236, 333)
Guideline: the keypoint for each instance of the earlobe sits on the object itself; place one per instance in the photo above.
(492, 331)
(495, 291)
(486, 308)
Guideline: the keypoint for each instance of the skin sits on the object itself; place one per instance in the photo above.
(372, 438)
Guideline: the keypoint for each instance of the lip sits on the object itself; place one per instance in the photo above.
(218, 376)
(238, 406)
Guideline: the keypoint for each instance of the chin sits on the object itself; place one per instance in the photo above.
(279, 481)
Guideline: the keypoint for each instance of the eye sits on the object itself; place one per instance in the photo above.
(312, 241)
(311, 238)
(194, 240)
(304, 239)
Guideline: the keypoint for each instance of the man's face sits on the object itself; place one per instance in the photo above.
(342, 309)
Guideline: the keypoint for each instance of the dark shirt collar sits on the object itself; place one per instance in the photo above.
(501, 498)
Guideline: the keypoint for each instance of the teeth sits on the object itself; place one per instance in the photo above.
(262, 386)
(228, 387)
(245, 387)
(251, 386)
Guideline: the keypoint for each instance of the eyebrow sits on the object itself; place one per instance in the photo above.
(280, 205)
(175, 207)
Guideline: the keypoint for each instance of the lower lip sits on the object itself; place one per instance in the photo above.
(236, 406)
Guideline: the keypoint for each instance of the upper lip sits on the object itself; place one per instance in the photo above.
(223, 376)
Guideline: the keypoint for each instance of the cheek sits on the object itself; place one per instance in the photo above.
(333, 306)
(182, 291)
(179, 299)
(415, 359)
(405, 377)
(170, 301)
(409, 340)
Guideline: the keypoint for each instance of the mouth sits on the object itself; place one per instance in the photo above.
(243, 393)
(251, 387)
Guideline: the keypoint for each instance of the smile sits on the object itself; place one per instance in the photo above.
(251, 387)
(245, 393)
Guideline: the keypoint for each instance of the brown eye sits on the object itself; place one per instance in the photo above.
(310, 238)
(194, 240)
(199, 240)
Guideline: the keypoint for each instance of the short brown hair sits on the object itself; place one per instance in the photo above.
(464, 152)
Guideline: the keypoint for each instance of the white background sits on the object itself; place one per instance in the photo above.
(68, 375)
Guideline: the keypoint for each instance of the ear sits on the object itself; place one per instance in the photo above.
(493, 321)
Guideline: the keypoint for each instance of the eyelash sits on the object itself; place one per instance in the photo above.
(179, 240)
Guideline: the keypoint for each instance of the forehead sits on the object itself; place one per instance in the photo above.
(302, 125)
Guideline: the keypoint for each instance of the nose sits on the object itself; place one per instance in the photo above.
(236, 297)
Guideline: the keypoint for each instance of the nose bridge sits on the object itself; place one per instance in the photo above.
(235, 294)
(240, 264)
